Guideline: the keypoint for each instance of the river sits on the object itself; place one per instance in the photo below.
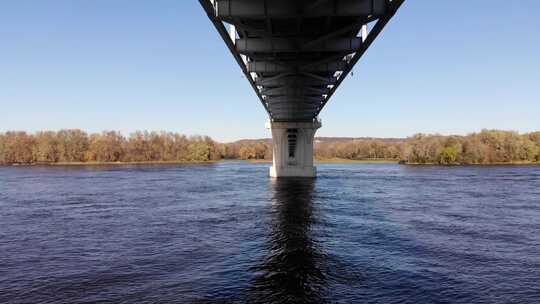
(226, 233)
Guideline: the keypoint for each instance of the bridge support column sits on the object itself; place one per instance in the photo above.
(293, 148)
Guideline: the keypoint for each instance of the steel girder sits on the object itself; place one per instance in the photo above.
(294, 91)
(286, 80)
(295, 54)
(272, 67)
(283, 45)
(289, 9)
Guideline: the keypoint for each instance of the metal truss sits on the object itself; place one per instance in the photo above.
(295, 54)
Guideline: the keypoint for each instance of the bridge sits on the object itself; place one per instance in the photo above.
(295, 54)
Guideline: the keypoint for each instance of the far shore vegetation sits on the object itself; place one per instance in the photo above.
(76, 147)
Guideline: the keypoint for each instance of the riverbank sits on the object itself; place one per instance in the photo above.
(355, 161)
(337, 161)
(94, 163)
(259, 161)
(513, 163)
(255, 161)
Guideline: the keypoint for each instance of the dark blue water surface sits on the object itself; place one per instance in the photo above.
(226, 233)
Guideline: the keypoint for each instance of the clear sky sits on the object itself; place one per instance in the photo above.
(451, 67)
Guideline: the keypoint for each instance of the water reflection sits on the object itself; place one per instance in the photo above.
(292, 271)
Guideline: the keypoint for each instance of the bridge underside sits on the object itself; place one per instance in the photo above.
(295, 54)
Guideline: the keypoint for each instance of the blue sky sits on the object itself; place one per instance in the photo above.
(450, 67)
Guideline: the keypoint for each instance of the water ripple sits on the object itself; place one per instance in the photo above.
(226, 233)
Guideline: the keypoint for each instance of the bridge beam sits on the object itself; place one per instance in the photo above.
(271, 67)
(293, 91)
(293, 148)
(261, 9)
(280, 45)
(294, 99)
(290, 79)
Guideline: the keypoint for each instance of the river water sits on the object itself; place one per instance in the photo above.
(226, 233)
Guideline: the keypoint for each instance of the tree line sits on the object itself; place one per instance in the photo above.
(78, 146)
(485, 147)
(69, 146)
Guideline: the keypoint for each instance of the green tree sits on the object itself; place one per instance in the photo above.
(449, 155)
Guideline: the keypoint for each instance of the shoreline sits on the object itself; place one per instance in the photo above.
(261, 161)
(93, 163)
(513, 163)
(355, 161)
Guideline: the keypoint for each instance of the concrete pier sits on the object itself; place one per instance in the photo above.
(293, 148)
